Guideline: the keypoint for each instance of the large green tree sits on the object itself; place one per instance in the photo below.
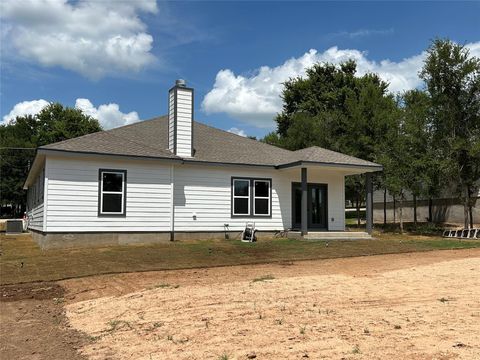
(19, 139)
(421, 179)
(334, 108)
(452, 79)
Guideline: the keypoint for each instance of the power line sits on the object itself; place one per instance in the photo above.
(16, 148)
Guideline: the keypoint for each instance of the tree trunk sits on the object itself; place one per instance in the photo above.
(400, 213)
(470, 206)
(430, 210)
(415, 210)
(358, 209)
(394, 210)
(470, 213)
(384, 208)
(465, 209)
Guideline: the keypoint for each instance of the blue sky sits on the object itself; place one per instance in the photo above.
(116, 60)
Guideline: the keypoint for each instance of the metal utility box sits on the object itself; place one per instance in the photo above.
(14, 226)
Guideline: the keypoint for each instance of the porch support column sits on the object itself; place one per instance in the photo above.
(369, 209)
(304, 225)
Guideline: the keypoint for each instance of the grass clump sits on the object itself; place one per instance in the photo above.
(263, 278)
(118, 324)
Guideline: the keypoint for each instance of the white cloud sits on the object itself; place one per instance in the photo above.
(256, 99)
(93, 38)
(109, 115)
(25, 108)
(237, 131)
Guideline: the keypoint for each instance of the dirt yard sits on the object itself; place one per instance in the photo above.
(417, 306)
(410, 306)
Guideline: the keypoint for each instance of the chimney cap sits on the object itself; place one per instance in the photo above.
(180, 82)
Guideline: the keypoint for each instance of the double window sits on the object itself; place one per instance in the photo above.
(112, 192)
(251, 197)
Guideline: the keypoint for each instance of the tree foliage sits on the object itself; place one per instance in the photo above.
(427, 139)
(452, 79)
(334, 108)
(19, 138)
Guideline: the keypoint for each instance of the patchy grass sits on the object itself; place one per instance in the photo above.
(21, 260)
(163, 286)
(263, 278)
(117, 325)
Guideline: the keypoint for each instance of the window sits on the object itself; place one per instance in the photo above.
(261, 197)
(112, 192)
(241, 197)
(251, 197)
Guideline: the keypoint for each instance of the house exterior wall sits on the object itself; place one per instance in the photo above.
(35, 203)
(205, 191)
(73, 196)
(201, 197)
(335, 180)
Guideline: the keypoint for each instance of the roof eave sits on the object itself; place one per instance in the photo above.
(47, 151)
(38, 161)
(364, 168)
(178, 160)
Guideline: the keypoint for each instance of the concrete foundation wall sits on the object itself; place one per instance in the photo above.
(74, 240)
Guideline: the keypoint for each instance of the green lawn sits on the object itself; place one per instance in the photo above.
(22, 261)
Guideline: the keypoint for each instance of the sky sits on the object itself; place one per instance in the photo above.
(116, 60)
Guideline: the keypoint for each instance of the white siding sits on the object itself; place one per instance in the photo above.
(35, 203)
(201, 196)
(171, 121)
(35, 218)
(73, 196)
(206, 192)
(184, 122)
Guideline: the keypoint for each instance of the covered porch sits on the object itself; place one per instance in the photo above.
(318, 205)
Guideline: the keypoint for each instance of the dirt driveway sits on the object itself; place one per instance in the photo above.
(409, 306)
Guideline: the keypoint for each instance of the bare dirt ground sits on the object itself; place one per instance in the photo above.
(33, 324)
(409, 306)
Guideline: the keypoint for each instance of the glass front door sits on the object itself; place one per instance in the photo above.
(316, 206)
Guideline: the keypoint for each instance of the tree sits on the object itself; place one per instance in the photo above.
(334, 108)
(452, 79)
(416, 130)
(19, 138)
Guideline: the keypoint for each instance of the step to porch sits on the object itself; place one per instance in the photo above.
(337, 235)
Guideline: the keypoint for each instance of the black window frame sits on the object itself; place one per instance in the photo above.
(251, 199)
(124, 193)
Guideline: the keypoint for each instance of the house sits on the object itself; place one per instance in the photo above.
(174, 178)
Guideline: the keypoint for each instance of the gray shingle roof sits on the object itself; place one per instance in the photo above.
(318, 154)
(149, 139)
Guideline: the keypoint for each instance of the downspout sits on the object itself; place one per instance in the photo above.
(172, 204)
